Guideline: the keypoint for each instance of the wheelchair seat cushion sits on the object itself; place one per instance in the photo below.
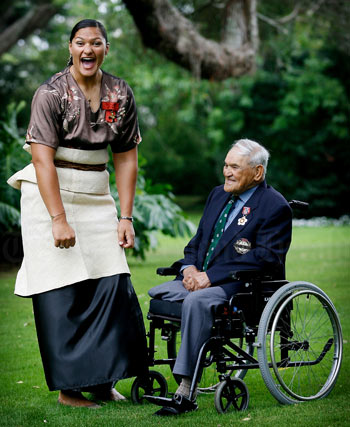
(165, 308)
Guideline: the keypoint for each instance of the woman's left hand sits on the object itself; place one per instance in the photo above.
(126, 234)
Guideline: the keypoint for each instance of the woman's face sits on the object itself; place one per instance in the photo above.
(88, 49)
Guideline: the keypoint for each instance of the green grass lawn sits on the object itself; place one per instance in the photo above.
(318, 255)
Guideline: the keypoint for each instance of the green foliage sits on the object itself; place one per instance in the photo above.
(13, 158)
(153, 213)
(297, 103)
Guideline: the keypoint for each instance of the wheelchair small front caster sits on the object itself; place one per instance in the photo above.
(153, 384)
(232, 393)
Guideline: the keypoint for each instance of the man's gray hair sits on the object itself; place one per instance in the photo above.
(258, 155)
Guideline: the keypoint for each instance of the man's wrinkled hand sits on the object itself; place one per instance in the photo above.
(188, 274)
(195, 280)
(200, 281)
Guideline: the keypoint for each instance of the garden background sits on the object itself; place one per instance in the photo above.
(293, 98)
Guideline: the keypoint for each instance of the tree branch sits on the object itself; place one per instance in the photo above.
(35, 18)
(166, 30)
(273, 23)
(278, 23)
(315, 7)
(210, 3)
(294, 13)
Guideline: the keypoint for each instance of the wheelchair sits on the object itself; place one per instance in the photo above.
(290, 331)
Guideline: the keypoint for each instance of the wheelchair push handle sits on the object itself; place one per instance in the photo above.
(298, 204)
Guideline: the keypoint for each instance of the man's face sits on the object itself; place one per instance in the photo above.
(239, 175)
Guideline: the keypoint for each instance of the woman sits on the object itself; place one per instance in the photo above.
(88, 320)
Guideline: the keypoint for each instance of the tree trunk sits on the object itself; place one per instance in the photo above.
(35, 18)
(166, 30)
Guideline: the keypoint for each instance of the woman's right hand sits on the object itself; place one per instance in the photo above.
(63, 233)
(47, 178)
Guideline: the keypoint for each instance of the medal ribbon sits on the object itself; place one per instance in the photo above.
(112, 106)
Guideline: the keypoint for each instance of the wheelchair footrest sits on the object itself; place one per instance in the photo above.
(178, 402)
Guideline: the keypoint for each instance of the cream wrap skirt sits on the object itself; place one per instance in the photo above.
(91, 212)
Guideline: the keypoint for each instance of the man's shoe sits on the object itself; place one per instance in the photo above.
(166, 411)
(177, 405)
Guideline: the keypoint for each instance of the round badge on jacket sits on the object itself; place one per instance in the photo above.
(242, 246)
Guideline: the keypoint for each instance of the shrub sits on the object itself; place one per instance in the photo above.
(154, 213)
(13, 158)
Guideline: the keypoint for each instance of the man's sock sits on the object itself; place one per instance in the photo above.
(184, 388)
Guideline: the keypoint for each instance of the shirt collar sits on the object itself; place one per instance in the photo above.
(246, 195)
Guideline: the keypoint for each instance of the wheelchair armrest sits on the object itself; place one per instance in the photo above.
(253, 275)
(247, 275)
(167, 271)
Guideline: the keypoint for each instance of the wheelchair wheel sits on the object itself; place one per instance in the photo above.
(209, 381)
(299, 343)
(153, 384)
(231, 394)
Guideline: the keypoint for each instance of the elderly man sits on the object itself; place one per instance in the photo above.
(246, 224)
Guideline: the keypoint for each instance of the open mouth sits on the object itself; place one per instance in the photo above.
(88, 63)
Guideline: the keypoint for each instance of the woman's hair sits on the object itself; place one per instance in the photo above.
(258, 155)
(86, 23)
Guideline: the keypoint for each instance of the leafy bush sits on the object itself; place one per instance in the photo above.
(295, 104)
(153, 213)
(13, 158)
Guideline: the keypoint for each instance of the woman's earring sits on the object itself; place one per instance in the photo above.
(70, 61)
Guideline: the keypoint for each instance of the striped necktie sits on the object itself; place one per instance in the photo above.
(219, 230)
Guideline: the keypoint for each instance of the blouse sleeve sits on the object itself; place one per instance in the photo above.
(129, 132)
(44, 126)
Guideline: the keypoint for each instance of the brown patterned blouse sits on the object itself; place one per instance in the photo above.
(61, 115)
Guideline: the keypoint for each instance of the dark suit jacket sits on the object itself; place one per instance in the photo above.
(261, 243)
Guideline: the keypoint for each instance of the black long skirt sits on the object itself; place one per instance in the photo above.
(90, 333)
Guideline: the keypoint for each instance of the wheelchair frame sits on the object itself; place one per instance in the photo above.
(293, 325)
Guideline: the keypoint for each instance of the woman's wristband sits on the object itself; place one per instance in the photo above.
(55, 216)
(129, 218)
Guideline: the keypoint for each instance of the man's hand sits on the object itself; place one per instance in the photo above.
(194, 279)
(200, 281)
(189, 272)
(126, 234)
